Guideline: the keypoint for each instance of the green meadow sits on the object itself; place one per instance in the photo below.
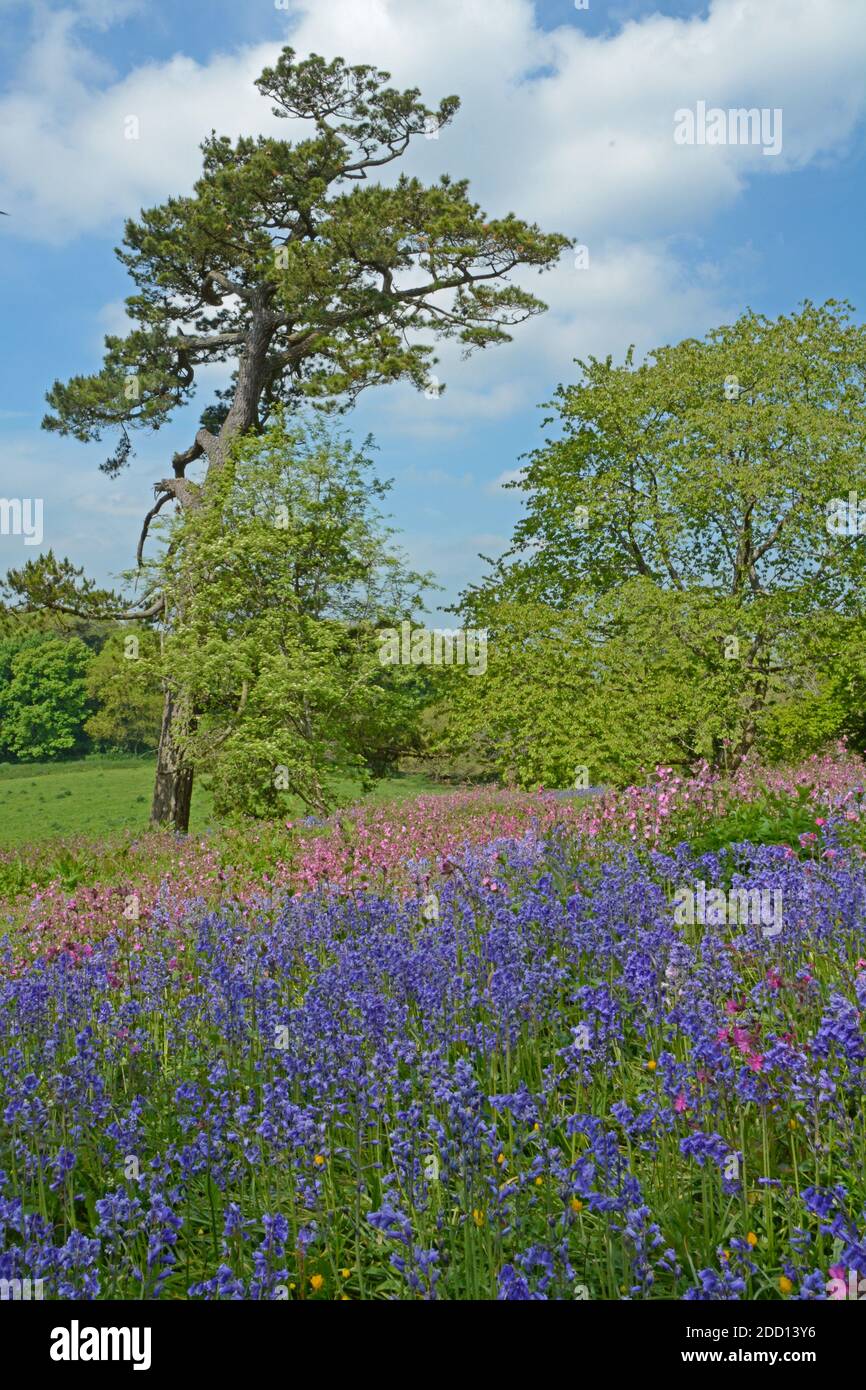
(96, 795)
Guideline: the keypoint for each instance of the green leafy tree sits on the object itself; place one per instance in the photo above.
(43, 695)
(678, 557)
(293, 572)
(124, 682)
(313, 281)
(840, 687)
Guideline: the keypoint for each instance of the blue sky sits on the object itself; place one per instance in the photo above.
(567, 119)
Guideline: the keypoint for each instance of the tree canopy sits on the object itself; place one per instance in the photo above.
(676, 553)
(290, 262)
(43, 695)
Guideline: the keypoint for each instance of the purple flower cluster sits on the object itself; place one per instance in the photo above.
(339, 1096)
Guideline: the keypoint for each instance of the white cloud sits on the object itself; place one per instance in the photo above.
(471, 395)
(450, 556)
(632, 293)
(509, 475)
(112, 320)
(582, 126)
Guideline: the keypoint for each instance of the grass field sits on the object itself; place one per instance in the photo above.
(98, 794)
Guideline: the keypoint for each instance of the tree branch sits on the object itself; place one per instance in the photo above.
(139, 553)
(179, 462)
(217, 277)
(216, 340)
(181, 489)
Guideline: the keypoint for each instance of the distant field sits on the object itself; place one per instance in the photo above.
(90, 797)
(96, 795)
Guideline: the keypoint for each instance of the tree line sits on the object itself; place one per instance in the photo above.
(64, 694)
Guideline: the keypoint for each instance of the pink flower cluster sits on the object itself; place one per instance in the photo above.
(377, 846)
(383, 847)
(833, 781)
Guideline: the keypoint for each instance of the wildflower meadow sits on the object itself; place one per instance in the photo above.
(460, 1050)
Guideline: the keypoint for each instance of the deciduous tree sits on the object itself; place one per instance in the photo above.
(681, 551)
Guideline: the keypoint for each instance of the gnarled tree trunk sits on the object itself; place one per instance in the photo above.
(172, 792)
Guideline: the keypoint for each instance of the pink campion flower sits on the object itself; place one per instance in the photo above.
(723, 1035)
(861, 964)
(755, 1061)
(172, 965)
(774, 979)
(819, 820)
(681, 1104)
(808, 837)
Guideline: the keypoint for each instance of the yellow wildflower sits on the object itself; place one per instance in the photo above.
(317, 1281)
